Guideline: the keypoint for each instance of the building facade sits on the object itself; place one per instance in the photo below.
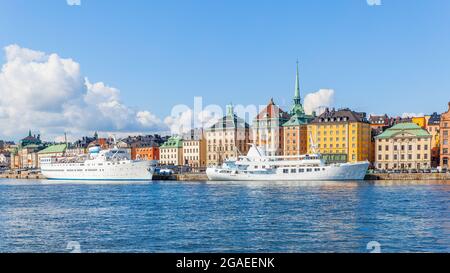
(340, 136)
(433, 127)
(268, 130)
(405, 146)
(227, 138)
(296, 128)
(171, 152)
(444, 138)
(146, 153)
(52, 151)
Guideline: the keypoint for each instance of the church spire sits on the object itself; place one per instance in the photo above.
(297, 98)
(298, 107)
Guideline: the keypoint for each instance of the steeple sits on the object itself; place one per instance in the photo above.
(29, 133)
(297, 98)
(297, 108)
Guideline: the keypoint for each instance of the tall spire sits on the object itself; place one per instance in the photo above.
(297, 98)
(297, 108)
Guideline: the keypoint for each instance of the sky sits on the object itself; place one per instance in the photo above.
(121, 66)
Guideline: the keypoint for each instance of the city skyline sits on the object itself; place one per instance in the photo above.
(246, 56)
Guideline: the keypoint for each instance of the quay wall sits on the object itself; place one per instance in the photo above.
(203, 177)
(408, 176)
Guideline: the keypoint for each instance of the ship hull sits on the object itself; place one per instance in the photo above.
(123, 171)
(343, 172)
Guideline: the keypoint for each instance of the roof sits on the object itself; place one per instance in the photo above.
(297, 120)
(340, 116)
(60, 148)
(230, 122)
(435, 119)
(173, 142)
(272, 111)
(379, 119)
(404, 128)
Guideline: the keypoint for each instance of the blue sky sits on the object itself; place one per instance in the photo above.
(391, 58)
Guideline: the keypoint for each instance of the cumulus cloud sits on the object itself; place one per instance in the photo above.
(319, 100)
(412, 115)
(374, 2)
(183, 119)
(49, 93)
(74, 2)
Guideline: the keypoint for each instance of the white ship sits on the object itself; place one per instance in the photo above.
(99, 165)
(256, 166)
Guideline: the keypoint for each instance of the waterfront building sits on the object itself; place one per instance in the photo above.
(31, 140)
(377, 125)
(433, 127)
(444, 138)
(26, 157)
(58, 150)
(403, 146)
(340, 136)
(146, 153)
(194, 149)
(268, 130)
(227, 138)
(171, 152)
(295, 129)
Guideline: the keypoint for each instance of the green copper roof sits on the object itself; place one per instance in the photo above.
(173, 142)
(298, 119)
(54, 149)
(404, 128)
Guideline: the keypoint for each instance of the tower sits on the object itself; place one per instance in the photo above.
(297, 108)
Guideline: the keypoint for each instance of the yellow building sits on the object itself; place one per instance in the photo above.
(420, 121)
(340, 136)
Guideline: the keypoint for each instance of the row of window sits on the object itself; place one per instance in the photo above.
(402, 157)
(308, 170)
(402, 147)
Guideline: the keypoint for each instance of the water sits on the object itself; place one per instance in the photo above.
(225, 217)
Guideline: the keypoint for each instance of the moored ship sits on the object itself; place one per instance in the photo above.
(258, 166)
(105, 165)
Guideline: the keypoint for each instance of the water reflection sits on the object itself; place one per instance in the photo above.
(225, 216)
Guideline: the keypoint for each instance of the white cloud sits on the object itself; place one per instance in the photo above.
(374, 2)
(412, 115)
(48, 93)
(183, 120)
(319, 100)
(74, 2)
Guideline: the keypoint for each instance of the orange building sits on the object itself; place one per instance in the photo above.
(444, 131)
(145, 153)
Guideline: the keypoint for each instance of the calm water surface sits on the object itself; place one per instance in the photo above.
(36, 216)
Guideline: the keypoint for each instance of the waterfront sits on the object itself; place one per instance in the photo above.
(36, 216)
